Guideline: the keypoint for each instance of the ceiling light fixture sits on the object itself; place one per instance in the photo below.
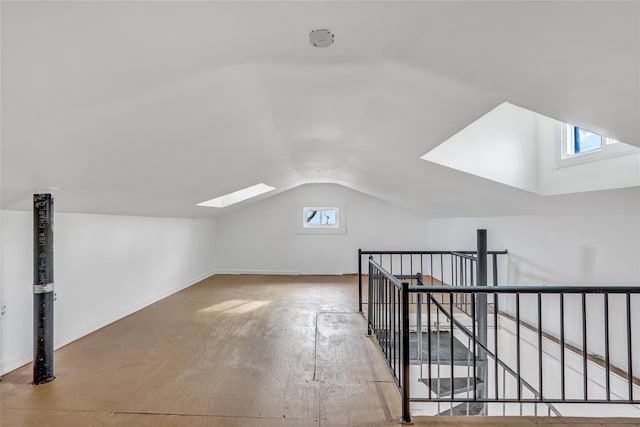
(321, 38)
(237, 196)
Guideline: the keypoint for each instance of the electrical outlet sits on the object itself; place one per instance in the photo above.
(3, 311)
(55, 296)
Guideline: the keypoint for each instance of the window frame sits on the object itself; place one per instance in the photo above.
(305, 224)
(300, 218)
(609, 148)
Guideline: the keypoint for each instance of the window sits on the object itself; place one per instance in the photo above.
(580, 141)
(581, 145)
(585, 141)
(321, 217)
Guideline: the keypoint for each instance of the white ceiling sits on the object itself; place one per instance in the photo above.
(147, 108)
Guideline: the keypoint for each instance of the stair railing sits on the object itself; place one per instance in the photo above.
(546, 344)
(388, 322)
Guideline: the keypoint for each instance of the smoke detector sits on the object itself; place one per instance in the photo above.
(321, 38)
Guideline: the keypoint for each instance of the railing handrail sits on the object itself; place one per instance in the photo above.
(389, 255)
(371, 252)
(528, 289)
(393, 279)
(464, 255)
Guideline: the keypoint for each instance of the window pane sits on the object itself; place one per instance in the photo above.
(586, 141)
(313, 217)
(329, 217)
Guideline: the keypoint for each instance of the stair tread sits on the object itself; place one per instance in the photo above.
(459, 384)
(440, 348)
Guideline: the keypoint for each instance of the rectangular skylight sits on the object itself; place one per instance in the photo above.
(237, 196)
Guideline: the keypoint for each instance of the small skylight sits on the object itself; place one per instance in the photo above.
(584, 141)
(237, 196)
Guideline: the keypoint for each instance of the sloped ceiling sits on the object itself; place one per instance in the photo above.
(147, 108)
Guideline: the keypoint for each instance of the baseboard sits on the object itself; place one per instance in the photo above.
(85, 330)
(265, 272)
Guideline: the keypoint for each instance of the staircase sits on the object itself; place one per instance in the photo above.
(442, 362)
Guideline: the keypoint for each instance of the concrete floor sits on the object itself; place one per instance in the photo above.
(231, 351)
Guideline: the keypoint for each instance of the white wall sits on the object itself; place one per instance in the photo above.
(106, 267)
(586, 249)
(501, 146)
(263, 237)
(601, 174)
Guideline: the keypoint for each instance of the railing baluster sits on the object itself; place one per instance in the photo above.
(606, 346)
(419, 329)
(518, 346)
(504, 390)
(378, 324)
(370, 298)
(451, 337)
(438, 364)
(562, 365)
(429, 342)
(374, 301)
(411, 263)
(431, 268)
(629, 351)
(495, 341)
(468, 368)
(360, 280)
(495, 269)
(398, 316)
(540, 360)
(451, 262)
(584, 346)
(388, 318)
(406, 369)
(392, 312)
(473, 333)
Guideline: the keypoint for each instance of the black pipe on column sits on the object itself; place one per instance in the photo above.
(42, 288)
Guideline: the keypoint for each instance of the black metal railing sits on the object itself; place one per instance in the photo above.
(580, 346)
(580, 351)
(388, 322)
(437, 267)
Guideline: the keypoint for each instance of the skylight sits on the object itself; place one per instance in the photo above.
(237, 196)
(526, 150)
(580, 141)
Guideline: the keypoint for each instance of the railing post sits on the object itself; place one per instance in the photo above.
(481, 307)
(495, 269)
(406, 371)
(42, 288)
(359, 280)
(370, 299)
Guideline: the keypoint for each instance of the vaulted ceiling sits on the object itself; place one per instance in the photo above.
(147, 108)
